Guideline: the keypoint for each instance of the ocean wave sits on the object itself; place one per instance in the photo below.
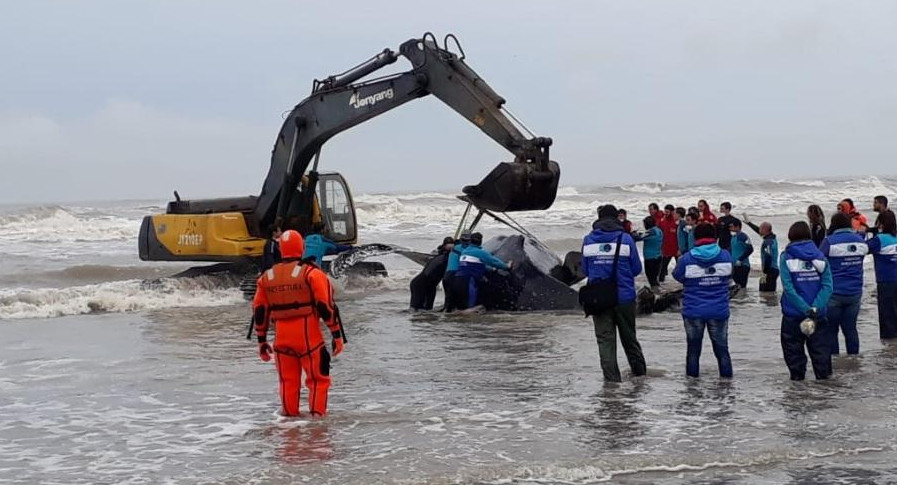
(56, 224)
(644, 188)
(119, 297)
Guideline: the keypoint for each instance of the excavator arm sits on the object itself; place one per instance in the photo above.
(340, 102)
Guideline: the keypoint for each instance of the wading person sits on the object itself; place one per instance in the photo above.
(769, 255)
(473, 265)
(297, 295)
(622, 216)
(880, 206)
(806, 285)
(271, 255)
(611, 262)
(845, 250)
(423, 286)
(858, 221)
(741, 253)
(655, 212)
(723, 223)
(454, 260)
(884, 250)
(705, 273)
(652, 240)
(817, 224)
(669, 249)
(706, 215)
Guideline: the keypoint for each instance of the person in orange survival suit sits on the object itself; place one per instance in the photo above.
(297, 295)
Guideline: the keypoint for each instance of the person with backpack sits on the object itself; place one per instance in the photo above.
(611, 261)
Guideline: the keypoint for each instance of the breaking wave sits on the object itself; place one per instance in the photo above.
(56, 224)
(644, 188)
(119, 297)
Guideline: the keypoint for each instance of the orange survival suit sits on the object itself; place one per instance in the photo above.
(297, 295)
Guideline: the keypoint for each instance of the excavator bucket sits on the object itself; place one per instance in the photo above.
(513, 186)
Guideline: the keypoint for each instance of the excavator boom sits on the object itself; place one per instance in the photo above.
(340, 102)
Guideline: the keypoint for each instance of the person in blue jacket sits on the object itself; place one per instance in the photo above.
(651, 239)
(681, 233)
(884, 250)
(807, 287)
(845, 250)
(705, 273)
(742, 249)
(769, 255)
(472, 266)
(454, 260)
(317, 246)
(598, 250)
(686, 232)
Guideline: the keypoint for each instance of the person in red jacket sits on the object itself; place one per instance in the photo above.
(297, 295)
(669, 249)
(706, 214)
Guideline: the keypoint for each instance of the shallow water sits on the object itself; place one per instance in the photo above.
(111, 373)
(178, 396)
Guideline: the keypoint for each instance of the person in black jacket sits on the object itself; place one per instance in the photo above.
(423, 286)
(817, 224)
(722, 225)
(271, 255)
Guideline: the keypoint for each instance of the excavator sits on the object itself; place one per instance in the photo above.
(295, 195)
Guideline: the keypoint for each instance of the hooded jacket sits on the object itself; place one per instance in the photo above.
(475, 261)
(454, 257)
(884, 249)
(705, 273)
(598, 249)
(845, 251)
(806, 279)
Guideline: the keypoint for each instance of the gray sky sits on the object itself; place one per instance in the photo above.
(133, 99)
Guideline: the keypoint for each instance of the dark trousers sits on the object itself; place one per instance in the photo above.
(449, 293)
(664, 267)
(843, 312)
(719, 339)
(793, 343)
(620, 318)
(423, 292)
(740, 275)
(769, 280)
(887, 310)
(464, 292)
(652, 270)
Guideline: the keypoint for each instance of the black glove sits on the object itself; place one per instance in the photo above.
(813, 314)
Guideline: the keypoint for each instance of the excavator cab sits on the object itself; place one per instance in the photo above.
(337, 209)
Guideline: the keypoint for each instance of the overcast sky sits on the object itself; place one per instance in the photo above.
(133, 99)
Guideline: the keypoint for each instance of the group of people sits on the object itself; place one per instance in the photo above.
(461, 266)
(821, 270)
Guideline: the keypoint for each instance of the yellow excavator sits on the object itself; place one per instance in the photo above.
(296, 196)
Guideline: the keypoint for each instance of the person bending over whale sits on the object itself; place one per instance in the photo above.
(473, 265)
(317, 246)
(423, 286)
